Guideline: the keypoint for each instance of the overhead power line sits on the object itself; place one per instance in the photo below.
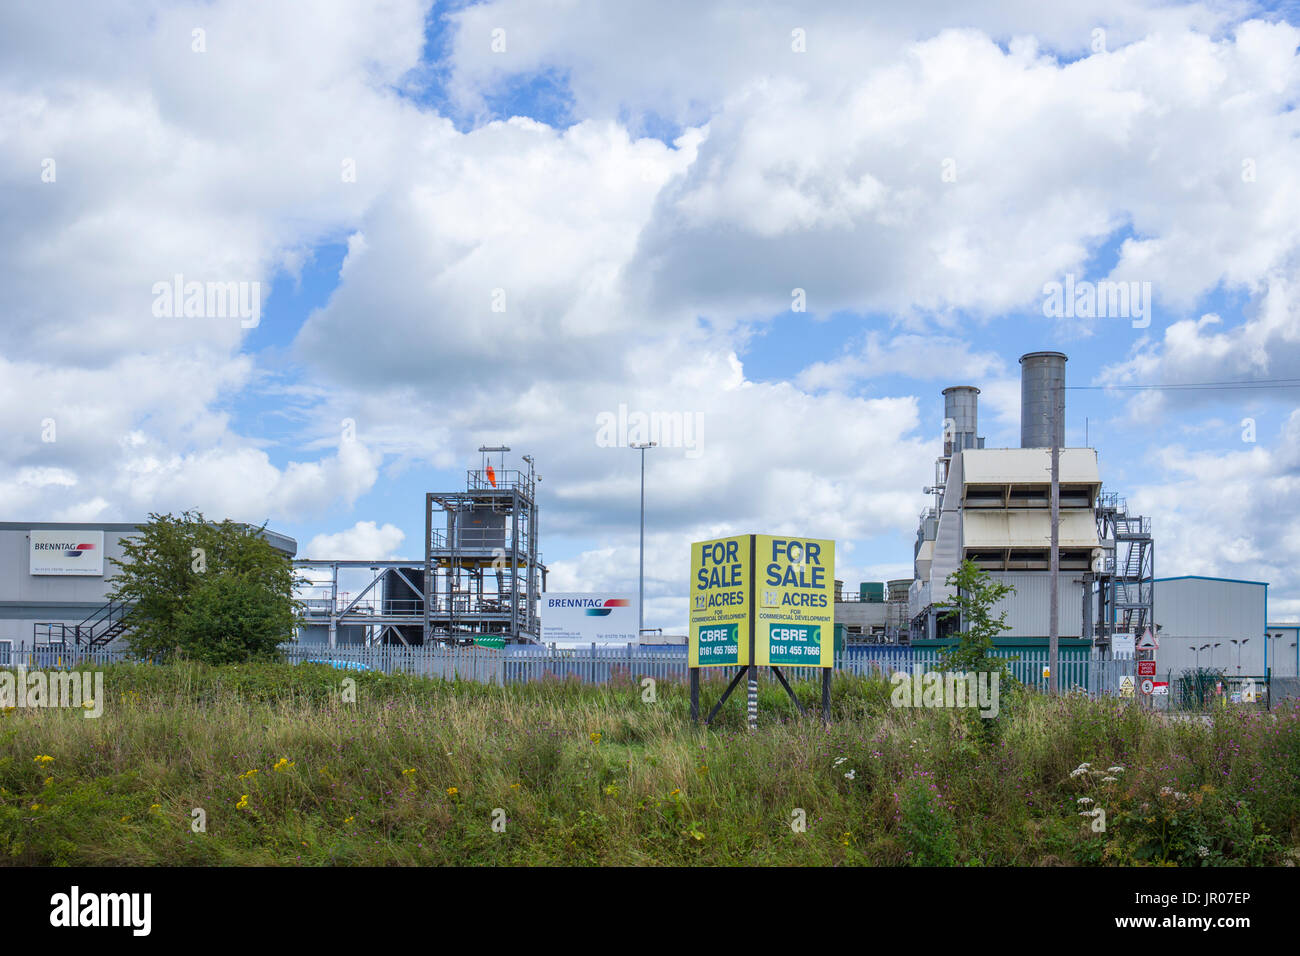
(1211, 386)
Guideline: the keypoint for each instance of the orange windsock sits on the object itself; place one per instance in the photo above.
(492, 475)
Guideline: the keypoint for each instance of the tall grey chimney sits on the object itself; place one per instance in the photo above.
(1042, 383)
(961, 419)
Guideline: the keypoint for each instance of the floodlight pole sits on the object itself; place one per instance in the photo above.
(640, 599)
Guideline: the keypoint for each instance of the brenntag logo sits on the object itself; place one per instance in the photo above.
(74, 909)
(607, 607)
(70, 549)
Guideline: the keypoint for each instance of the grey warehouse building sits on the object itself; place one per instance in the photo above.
(1219, 623)
(54, 579)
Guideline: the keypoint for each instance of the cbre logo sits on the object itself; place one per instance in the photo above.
(608, 606)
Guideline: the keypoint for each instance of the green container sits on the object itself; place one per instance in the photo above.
(839, 638)
(873, 592)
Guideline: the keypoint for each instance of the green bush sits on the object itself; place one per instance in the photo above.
(230, 619)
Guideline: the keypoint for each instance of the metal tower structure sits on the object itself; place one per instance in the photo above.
(1126, 578)
(482, 570)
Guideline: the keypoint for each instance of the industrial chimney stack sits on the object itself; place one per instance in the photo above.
(961, 419)
(1042, 384)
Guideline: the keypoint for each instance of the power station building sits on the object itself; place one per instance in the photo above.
(992, 506)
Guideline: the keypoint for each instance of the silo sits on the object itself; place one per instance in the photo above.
(1042, 383)
(961, 418)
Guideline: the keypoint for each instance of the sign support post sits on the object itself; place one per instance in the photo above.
(747, 614)
(753, 668)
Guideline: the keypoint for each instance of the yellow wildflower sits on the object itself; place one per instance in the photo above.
(595, 738)
(42, 759)
(243, 803)
(283, 764)
(452, 791)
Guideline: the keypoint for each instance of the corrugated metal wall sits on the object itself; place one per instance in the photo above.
(1202, 607)
(1193, 612)
(1029, 608)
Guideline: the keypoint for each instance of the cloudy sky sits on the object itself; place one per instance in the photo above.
(792, 224)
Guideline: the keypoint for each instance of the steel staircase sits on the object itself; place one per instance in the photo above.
(104, 625)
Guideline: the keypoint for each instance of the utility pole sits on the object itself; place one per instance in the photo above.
(1054, 560)
(640, 600)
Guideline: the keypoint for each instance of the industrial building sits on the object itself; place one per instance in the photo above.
(874, 614)
(54, 582)
(478, 583)
(1220, 623)
(992, 506)
(1284, 649)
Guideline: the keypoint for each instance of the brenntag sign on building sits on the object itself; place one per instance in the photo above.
(67, 552)
(600, 617)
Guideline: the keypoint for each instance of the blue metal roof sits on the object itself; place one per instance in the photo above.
(1203, 577)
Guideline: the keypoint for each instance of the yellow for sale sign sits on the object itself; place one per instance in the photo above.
(795, 584)
(721, 585)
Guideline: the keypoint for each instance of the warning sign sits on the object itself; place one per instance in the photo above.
(1146, 668)
(1126, 686)
(1148, 685)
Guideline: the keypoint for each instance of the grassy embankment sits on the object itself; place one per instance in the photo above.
(415, 771)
